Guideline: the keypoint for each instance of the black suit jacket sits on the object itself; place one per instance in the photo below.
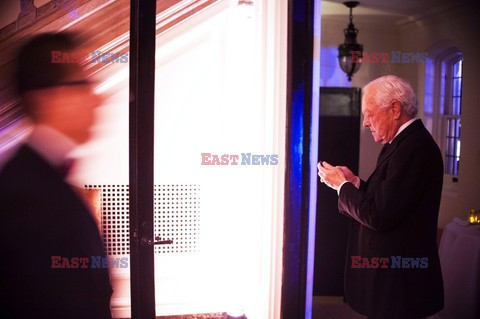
(395, 214)
(41, 217)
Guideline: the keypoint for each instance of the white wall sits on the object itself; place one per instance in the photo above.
(457, 27)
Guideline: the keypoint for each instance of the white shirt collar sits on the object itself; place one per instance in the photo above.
(404, 126)
(51, 144)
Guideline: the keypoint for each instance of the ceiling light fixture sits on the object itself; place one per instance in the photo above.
(347, 63)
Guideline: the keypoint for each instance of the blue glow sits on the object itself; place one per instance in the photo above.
(297, 145)
(312, 204)
(442, 87)
(331, 74)
(73, 14)
(429, 83)
(457, 88)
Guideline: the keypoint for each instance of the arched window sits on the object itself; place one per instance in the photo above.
(443, 105)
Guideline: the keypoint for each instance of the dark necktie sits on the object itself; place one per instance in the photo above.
(382, 152)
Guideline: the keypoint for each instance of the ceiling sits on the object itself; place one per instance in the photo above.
(399, 9)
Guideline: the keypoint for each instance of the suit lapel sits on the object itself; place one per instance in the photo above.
(389, 149)
(77, 210)
(382, 153)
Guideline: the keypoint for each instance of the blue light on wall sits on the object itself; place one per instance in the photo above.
(331, 75)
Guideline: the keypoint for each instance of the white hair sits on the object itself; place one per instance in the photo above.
(393, 88)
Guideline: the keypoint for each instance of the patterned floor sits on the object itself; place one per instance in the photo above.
(322, 308)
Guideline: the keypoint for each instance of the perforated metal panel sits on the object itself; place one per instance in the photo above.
(176, 217)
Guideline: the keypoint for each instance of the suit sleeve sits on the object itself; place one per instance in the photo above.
(363, 185)
(392, 197)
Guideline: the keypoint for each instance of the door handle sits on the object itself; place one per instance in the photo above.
(158, 241)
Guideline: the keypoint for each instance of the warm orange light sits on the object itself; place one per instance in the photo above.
(474, 218)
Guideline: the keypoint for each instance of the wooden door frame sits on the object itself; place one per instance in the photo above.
(299, 217)
(141, 152)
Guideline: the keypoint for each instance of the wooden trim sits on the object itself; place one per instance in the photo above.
(141, 153)
(38, 18)
(102, 24)
(167, 17)
(297, 175)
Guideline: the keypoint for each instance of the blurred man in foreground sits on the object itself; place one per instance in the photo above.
(393, 268)
(47, 228)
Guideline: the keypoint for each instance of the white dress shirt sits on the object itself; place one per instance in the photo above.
(401, 128)
(52, 145)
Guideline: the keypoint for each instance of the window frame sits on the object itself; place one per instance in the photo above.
(442, 105)
(449, 114)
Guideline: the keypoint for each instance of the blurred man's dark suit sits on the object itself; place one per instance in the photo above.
(396, 214)
(42, 217)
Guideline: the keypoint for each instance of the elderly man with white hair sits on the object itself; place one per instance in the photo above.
(392, 269)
